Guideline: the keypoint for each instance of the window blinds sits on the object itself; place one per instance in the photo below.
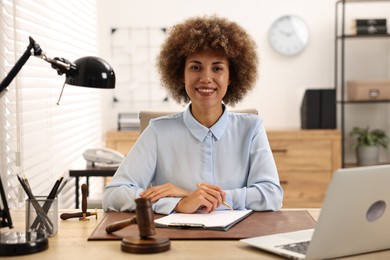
(40, 139)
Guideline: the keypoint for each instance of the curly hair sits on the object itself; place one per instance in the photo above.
(205, 33)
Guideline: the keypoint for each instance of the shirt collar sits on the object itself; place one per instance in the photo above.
(199, 131)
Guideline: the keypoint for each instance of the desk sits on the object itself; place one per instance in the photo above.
(90, 171)
(71, 243)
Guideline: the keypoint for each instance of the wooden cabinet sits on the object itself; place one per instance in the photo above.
(306, 160)
(121, 141)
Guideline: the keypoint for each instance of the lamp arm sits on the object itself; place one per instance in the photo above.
(95, 72)
(19, 64)
(61, 65)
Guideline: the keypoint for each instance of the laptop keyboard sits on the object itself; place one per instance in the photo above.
(300, 247)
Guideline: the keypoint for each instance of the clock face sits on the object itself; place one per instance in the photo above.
(289, 35)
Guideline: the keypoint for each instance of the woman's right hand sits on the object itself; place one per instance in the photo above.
(206, 197)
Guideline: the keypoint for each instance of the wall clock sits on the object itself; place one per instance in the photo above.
(289, 35)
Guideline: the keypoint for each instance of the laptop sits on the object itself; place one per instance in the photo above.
(354, 219)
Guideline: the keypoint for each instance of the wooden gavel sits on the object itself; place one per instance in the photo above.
(83, 214)
(144, 219)
(147, 242)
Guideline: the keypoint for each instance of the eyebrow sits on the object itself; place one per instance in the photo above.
(214, 63)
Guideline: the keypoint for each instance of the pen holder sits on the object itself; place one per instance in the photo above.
(42, 214)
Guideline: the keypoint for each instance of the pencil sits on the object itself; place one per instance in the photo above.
(39, 210)
(223, 202)
(53, 191)
(46, 206)
(61, 187)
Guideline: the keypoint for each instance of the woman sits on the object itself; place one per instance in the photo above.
(204, 158)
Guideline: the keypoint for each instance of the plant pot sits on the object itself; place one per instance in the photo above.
(367, 155)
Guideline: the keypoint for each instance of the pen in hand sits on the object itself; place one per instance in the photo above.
(227, 205)
(223, 202)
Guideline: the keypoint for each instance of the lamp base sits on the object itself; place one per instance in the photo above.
(23, 243)
(150, 245)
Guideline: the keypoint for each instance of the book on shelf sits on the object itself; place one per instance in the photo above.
(370, 30)
(370, 21)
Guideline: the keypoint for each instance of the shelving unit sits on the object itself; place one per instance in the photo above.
(341, 37)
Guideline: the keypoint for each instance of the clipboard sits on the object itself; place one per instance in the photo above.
(256, 224)
(221, 220)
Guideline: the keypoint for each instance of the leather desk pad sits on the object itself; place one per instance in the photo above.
(256, 224)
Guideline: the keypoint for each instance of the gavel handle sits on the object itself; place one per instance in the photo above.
(65, 216)
(120, 224)
(84, 193)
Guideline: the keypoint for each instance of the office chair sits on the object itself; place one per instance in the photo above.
(145, 116)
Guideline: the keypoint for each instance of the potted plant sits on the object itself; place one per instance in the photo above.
(367, 143)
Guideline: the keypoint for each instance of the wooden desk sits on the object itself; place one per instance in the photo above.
(71, 243)
(90, 171)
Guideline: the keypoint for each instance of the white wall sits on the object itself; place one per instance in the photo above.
(282, 79)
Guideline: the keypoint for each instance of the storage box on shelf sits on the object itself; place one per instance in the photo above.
(364, 90)
(370, 26)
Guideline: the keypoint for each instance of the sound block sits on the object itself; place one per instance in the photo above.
(150, 245)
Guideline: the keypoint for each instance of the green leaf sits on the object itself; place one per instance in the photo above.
(367, 137)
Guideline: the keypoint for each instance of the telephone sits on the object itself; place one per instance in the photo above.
(103, 157)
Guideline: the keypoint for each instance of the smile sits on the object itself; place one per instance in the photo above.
(206, 90)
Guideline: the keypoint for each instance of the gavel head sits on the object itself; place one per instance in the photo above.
(144, 215)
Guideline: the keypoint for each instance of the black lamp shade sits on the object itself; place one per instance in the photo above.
(92, 72)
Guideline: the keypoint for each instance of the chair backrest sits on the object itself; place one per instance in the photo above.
(145, 116)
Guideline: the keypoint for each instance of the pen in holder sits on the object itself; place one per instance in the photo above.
(42, 214)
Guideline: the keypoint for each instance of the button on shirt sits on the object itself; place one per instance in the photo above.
(233, 154)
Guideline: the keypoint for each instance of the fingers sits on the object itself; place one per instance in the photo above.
(154, 193)
(166, 190)
(206, 197)
(209, 200)
(214, 190)
(201, 199)
(193, 203)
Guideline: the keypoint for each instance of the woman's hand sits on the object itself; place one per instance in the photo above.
(165, 190)
(206, 197)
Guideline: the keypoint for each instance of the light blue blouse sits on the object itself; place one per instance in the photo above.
(233, 154)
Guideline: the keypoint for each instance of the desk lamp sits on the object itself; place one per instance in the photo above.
(88, 71)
